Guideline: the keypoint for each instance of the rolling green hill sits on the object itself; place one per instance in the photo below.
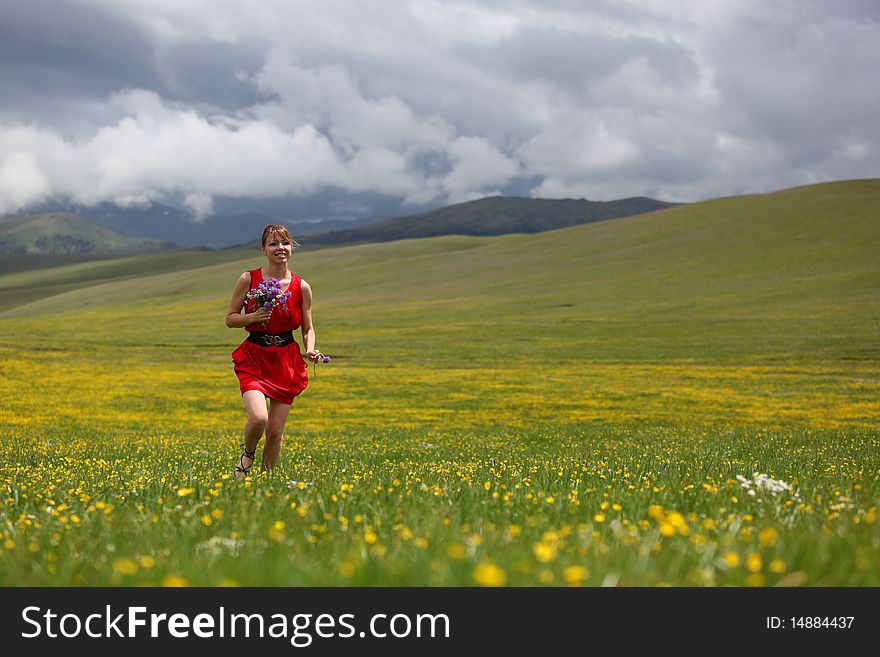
(793, 272)
(28, 277)
(63, 232)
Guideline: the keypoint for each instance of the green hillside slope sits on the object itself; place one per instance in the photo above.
(759, 311)
(24, 277)
(62, 232)
(769, 275)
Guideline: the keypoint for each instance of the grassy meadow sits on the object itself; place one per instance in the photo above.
(689, 397)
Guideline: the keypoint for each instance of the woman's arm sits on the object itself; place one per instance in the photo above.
(307, 328)
(234, 316)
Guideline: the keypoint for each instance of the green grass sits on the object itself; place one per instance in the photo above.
(409, 508)
(490, 405)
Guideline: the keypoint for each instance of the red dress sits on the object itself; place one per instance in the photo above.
(277, 372)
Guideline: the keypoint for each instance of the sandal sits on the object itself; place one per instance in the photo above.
(241, 471)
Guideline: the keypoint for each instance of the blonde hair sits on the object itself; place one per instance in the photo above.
(280, 232)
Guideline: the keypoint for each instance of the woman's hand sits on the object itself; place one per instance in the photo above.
(261, 315)
(314, 355)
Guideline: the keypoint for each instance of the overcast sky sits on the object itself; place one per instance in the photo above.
(419, 103)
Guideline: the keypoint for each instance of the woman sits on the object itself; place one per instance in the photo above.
(268, 363)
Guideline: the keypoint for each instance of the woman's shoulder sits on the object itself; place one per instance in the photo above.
(244, 279)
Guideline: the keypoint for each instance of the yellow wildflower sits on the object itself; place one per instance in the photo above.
(124, 567)
(753, 563)
(767, 537)
(731, 559)
(488, 574)
(174, 581)
(544, 552)
(574, 575)
(667, 529)
(777, 566)
(456, 551)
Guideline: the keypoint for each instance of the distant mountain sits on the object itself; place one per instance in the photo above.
(164, 222)
(168, 223)
(489, 216)
(496, 215)
(154, 220)
(68, 233)
(326, 225)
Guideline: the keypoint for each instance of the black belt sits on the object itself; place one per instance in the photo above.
(271, 339)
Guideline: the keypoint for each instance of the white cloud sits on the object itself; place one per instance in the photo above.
(330, 97)
(571, 154)
(201, 204)
(157, 149)
(478, 166)
(432, 102)
(21, 181)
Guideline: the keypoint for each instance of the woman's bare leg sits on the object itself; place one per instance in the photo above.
(255, 425)
(278, 413)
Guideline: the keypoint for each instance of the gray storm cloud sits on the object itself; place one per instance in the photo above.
(432, 102)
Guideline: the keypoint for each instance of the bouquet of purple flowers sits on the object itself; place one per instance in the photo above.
(268, 294)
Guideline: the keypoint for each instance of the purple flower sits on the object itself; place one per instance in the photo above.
(325, 359)
(268, 294)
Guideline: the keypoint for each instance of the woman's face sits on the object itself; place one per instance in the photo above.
(277, 248)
